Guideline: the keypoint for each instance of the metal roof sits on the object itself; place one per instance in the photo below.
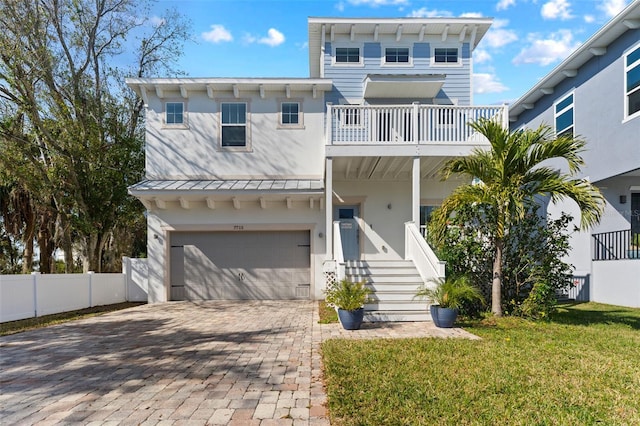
(209, 187)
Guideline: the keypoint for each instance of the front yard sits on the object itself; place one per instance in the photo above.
(583, 367)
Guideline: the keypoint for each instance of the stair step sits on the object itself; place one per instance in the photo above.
(379, 264)
(381, 271)
(393, 295)
(404, 279)
(397, 316)
(388, 287)
(396, 305)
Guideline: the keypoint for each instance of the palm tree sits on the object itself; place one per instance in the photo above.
(511, 174)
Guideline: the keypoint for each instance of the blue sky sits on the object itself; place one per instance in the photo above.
(268, 38)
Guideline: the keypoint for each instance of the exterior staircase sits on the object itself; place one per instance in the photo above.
(393, 284)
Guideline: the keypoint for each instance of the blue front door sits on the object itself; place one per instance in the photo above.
(349, 230)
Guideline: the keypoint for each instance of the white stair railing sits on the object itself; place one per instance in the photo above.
(338, 254)
(417, 250)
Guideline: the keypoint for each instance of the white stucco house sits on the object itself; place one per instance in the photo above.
(265, 188)
(595, 94)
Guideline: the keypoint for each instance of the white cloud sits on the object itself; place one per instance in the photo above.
(556, 9)
(376, 3)
(156, 21)
(472, 15)
(487, 83)
(274, 38)
(480, 56)
(423, 12)
(340, 6)
(218, 34)
(498, 35)
(612, 7)
(505, 4)
(589, 19)
(547, 51)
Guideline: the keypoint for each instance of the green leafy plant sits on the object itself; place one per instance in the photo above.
(347, 295)
(451, 292)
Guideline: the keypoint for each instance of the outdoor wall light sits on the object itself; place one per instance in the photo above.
(623, 199)
(389, 206)
(320, 235)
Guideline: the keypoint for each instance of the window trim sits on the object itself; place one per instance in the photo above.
(247, 145)
(300, 123)
(185, 115)
(458, 63)
(383, 55)
(627, 68)
(556, 114)
(359, 46)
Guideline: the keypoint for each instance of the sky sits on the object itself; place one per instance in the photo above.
(268, 38)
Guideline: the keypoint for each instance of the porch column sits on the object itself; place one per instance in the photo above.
(328, 194)
(415, 191)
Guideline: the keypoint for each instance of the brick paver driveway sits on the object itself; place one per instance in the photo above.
(174, 363)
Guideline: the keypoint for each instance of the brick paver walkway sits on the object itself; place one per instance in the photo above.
(244, 363)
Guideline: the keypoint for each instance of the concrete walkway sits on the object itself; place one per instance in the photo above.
(244, 363)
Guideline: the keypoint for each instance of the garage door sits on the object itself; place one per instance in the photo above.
(240, 265)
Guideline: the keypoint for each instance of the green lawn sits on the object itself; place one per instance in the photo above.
(582, 368)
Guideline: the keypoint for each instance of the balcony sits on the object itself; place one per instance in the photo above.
(415, 124)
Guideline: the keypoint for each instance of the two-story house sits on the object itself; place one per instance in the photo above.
(595, 94)
(267, 188)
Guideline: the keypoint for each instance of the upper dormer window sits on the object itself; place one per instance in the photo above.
(632, 82)
(347, 55)
(396, 55)
(564, 116)
(446, 55)
(174, 114)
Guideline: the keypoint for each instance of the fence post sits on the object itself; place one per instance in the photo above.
(35, 293)
(126, 270)
(90, 275)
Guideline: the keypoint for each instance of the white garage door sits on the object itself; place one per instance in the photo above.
(240, 265)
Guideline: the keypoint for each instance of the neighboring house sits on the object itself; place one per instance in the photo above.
(595, 94)
(267, 188)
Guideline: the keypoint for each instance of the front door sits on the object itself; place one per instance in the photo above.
(635, 213)
(348, 216)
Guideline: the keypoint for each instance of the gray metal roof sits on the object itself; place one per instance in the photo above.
(147, 187)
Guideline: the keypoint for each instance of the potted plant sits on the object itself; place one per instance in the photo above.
(447, 297)
(348, 298)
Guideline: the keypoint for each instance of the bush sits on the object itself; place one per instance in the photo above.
(347, 295)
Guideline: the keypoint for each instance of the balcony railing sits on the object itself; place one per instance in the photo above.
(408, 124)
(616, 245)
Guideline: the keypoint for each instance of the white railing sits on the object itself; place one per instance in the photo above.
(423, 257)
(338, 254)
(408, 124)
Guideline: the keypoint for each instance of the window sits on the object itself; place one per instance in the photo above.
(234, 124)
(399, 55)
(290, 113)
(563, 111)
(347, 55)
(445, 55)
(632, 82)
(174, 113)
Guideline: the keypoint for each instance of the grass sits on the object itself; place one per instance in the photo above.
(583, 367)
(12, 327)
(328, 314)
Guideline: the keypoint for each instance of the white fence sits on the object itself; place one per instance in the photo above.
(27, 296)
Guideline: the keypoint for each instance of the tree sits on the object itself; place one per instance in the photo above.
(76, 136)
(510, 174)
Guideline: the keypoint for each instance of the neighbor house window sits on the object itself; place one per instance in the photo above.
(632, 79)
(347, 55)
(290, 113)
(234, 124)
(563, 111)
(445, 55)
(397, 55)
(174, 113)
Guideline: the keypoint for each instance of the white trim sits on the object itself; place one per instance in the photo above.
(557, 114)
(185, 120)
(626, 69)
(359, 46)
(383, 55)
(435, 46)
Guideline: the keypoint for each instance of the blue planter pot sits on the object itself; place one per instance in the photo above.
(443, 317)
(351, 320)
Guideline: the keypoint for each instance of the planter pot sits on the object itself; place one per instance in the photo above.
(443, 317)
(351, 320)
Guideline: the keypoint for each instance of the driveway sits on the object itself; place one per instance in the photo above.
(245, 363)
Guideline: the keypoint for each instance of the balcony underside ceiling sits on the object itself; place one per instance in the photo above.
(385, 168)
